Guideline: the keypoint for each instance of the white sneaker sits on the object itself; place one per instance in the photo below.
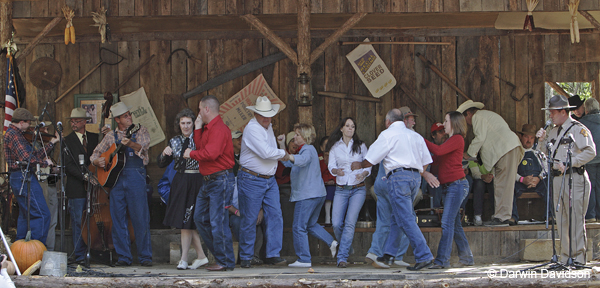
(478, 221)
(370, 258)
(199, 262)
(333, 248)
(300, 265)
(182, 265)
(401, 263)
(380, 265)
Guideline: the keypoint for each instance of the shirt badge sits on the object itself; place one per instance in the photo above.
(584, 132)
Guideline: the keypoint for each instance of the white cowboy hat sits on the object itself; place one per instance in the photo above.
(264, 107)
(118, 109)
(79, 113)
(469, 104)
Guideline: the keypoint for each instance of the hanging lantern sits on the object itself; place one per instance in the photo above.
(304, 93)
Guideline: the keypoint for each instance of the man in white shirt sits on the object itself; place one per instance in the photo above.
(405, 157)
(257, 186)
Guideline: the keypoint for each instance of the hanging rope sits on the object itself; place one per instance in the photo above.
(529, 18)
(573, 6)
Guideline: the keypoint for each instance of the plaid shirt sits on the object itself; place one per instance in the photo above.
(17, 148)
(142, 137)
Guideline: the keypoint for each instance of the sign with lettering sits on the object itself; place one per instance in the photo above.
(142, 112)
(234, 112)
(371, 70)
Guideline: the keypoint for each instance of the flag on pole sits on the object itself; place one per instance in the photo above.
(10, 102)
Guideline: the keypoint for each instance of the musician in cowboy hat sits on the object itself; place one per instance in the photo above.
(500, 150)
(257, 186)
(569, 133)
(78, 142)
(578, 111)
(128, 195)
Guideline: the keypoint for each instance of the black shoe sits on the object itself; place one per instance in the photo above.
(147, 263)
(436, 266)
(496, 223)
(122, 263)
(420, 265)
(256, 261)
(245, 263)
(276, 261)
(386, 259)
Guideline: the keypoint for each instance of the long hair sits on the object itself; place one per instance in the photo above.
(337, 135)
(458, 123)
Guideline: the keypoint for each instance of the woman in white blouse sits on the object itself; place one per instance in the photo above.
(345, 147)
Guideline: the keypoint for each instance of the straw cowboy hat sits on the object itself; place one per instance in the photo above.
(289, 137)
(469, 104)
(236, 134)
(406, 112)
(558, 102)
(118, 109)
(79, 113)
(528, 129)
(264, 107)
(22, 114)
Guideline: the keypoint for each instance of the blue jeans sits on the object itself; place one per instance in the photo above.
(403, 186)
(306, 214)
(256, 192)
(452, 226)
(76, 207)
(346, 207)
(128, 197)
(540, 189)
(212, 218)
(593, 210)
(39, 215)
(382, 229)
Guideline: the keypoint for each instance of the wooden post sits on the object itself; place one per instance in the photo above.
(304, 112)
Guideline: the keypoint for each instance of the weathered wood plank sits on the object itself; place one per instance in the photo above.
(252, 7)
(331, 83)
(216, 61)
(536, 80)
(89, 57)
(126, 8)
(318, 102)
(363, 5)
(109, 74)
(216, 7)
(197, 72)
(521, 80)
(421, 6)
(287, 93)
(129, 50)
(448, 67)
(178, 68)
(68, 57)
(233, 56)
(198, 7)
(492, 5)
(470, 5)
(451, 5)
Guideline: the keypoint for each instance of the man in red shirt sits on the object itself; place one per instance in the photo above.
(214, 153)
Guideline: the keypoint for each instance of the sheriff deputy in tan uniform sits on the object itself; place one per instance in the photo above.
(583, 150)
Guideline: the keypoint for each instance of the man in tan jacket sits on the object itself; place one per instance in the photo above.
(500, 149)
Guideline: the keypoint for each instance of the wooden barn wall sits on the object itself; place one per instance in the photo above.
(476, 64)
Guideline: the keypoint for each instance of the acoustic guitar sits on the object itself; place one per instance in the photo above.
(115, 160)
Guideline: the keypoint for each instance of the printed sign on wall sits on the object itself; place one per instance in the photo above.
(371, 70)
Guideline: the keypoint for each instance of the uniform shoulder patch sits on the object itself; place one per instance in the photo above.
(584, 132)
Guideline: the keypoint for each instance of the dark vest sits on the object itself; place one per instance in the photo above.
(530, 165)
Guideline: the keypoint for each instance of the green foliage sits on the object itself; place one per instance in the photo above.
(583, 89)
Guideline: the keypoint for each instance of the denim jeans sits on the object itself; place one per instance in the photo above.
(452, 226)
(384, 215)
(212, 218)
(403, 186)
(76, 207)
(593, 210)
(128, 197)
(306, 214)
(346, 207)
(540, 189)
(256, 192)
(39, 215)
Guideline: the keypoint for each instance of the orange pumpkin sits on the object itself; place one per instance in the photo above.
(27, 251)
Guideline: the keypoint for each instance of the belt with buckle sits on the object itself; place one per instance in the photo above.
(444, 186)
(362, 184)
(578, 170)
(256, 174)
(399, 169)
(192, 171)
(216, 174)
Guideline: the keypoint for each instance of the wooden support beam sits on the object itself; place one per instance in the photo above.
(397, 43)
(38, 38)
(304, 37)
(349, 96)
(414, 100)
(445, 78)
(79, 81)
(558, 89)
(590, 18)
(271, 36)
(5, 22)
(336, 35)
(235, 73)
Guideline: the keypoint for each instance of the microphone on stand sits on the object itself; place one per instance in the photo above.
(535, 143)
(81, 160)
(41, 119)
(59, 126)
(40, 125)
(38, 172)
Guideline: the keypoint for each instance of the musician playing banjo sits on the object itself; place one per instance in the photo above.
(128, 195)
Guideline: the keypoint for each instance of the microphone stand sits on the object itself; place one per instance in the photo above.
(63, 208)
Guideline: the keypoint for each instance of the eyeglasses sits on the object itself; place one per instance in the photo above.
(126, 115)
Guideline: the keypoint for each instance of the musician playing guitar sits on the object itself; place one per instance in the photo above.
(75, 188)
(128, 196)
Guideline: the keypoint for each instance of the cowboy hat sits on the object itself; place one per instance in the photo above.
(469, 104)
(528, 129)
(406, 111)
(236, 134)
(576, 101)
(79, 113)
(558, 102)
(289, 137)
(118, 109)
(264, 107)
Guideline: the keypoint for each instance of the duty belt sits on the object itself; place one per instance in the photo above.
(578, 170)
(216, 174)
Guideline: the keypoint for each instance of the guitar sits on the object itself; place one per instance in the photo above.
(115, 160)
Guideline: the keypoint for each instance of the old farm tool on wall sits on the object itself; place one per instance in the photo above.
(235, 73)
(445, 78)
(186, 54)
(512, 91)
(45, 73)
(126, 79)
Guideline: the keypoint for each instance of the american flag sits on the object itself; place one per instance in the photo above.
(10, 101)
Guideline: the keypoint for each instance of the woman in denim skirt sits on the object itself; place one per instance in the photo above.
(455, 189)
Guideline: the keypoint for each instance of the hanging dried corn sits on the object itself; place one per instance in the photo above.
(529, 17)
(70, 29)
(573, 6)
(100, 22)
